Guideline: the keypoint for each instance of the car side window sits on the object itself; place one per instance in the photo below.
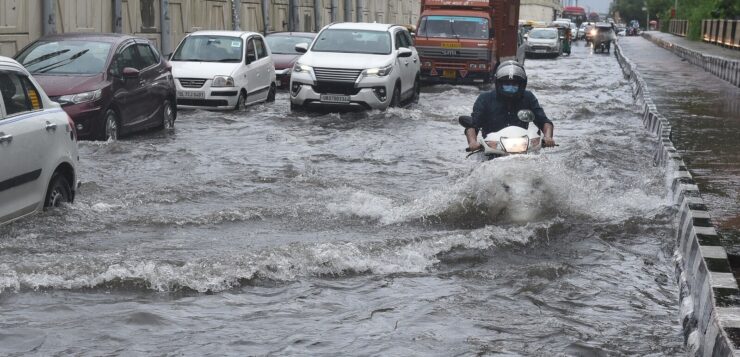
(260, 48)
(251, 52)
(126, 58)
(407, 36)
(399, 40)
(18, 93)
(148, 58)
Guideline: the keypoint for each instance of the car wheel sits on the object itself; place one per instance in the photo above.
(111, 125)
(241, 103)
(168, 115)
(271, 94)
(396, 98)
(59, 191)
(417, 90)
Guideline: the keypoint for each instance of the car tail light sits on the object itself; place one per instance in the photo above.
(72, 130)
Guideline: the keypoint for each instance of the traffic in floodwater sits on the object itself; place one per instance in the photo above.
(276, 232)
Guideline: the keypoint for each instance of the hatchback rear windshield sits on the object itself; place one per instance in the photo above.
(546, 34)
(203, 48)
(285, 44)
(454, 27)
(65, 57)
(353, 41)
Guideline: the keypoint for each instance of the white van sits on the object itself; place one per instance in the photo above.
(38, 146)
(223, 70)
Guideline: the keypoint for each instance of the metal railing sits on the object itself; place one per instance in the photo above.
(725, 33)
(679, 27)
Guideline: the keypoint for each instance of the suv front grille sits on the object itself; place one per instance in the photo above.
(323, 87)
(336, 74)
(191, 82)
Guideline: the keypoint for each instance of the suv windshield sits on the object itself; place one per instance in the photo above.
(65, 57)
(201, 48)
(546, 34)
(454, 26)
(286, 44)
(353, 41)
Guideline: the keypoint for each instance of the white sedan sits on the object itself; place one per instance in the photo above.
(38, 146)
(223, 70)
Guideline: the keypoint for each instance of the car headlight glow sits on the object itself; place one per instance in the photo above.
(299, 68)
(515, 145)
(222, 81)
(81, 97)
(378, 72)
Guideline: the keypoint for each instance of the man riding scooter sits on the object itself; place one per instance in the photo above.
(499, 108)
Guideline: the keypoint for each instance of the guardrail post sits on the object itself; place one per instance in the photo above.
(164, 20)
(334, 9)
(348, 10)
(236, 9)
(117, 17)
(49, 22)
(265, 16)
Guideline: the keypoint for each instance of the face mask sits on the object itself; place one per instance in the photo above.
(509, 88)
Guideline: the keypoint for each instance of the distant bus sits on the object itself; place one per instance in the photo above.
(576, 14)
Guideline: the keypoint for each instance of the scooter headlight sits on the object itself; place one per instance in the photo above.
(515, 145)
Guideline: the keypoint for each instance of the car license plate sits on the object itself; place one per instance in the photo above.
(334, 98)
(449, 73)
(191, 94)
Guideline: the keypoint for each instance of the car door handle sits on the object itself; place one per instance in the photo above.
(51, 126)
(5, 138)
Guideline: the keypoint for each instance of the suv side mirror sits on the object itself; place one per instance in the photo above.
(404, 52)
(301, 47)
(129, 73)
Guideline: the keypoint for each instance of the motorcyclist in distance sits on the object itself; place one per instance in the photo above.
(497, 109)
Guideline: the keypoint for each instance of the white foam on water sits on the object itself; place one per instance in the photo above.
(285, 263)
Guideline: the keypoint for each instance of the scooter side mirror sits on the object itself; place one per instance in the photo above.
(525, 115)
(466, 121)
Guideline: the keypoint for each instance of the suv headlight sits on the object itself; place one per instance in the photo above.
(81, 97)
(300, 68)
(222, 81)
(378, 72)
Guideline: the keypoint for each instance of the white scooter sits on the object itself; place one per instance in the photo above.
(510, 140)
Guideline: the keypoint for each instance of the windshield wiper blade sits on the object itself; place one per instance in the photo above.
(62, 62)
(229, 60)
(45, 57)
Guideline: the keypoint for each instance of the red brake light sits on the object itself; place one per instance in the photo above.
(72, 129)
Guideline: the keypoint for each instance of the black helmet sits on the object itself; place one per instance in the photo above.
(508, 75)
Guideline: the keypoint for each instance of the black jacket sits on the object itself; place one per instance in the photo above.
(491, 113)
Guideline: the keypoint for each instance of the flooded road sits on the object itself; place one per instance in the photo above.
(271, 233)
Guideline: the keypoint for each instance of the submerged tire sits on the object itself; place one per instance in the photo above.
(58, 192)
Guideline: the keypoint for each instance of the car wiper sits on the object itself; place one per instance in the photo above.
(229, 60)
(45, 57)
(62, 62)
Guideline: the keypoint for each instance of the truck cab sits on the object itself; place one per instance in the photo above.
(463, 41)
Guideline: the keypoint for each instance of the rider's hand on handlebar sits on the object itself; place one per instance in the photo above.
(548, 142)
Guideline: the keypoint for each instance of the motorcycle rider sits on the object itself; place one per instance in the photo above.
(497, 109)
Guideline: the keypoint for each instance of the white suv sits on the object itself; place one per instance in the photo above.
(223, 70)
(356, 64)
(38, 146)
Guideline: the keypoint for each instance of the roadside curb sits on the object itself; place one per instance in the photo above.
(709, 294)
(724, 68)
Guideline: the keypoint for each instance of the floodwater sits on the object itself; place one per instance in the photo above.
(271, 233)
(704, 112)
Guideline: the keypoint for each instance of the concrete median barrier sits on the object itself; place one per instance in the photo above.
(709, 293)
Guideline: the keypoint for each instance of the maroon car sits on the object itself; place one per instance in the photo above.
(109, 84)
(284, 55)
